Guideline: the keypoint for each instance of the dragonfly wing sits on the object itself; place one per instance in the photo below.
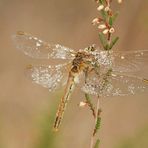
(104, 58)
(123, 85)
(36, 48)
(50, 77)
(130, 61)
(115, 85)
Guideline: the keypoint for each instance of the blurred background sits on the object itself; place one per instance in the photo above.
(27, 110)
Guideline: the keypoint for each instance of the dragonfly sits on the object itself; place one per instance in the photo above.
(97, 72)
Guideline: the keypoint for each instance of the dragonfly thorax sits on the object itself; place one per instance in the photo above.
(82, 60)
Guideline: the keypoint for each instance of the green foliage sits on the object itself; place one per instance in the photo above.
(90, 104)
(104, 14)
(111, 21)
(101, 2)
(47, 135)
(113, 42)
(98, 123)
(102, 40)
(114, 17)
(105, 43)
(97, 144)
(107, 18)
(139, 140)
(97, 126)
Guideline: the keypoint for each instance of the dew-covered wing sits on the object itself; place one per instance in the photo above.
(104, 58)
(115, 85)
(130, 61)
(51, 77)
(36, 48)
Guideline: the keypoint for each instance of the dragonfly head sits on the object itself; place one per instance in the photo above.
(90, 48)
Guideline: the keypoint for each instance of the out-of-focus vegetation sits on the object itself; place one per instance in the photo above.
(46, 138)
(139, 140)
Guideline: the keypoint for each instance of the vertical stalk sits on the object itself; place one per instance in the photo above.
(98, 111)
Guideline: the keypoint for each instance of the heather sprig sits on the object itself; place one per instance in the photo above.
(105, 25)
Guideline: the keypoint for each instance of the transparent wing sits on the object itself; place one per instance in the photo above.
(51, 77)
(122, 85)
(36, 48)
(104, 58)
(130, 61)
(115, 85)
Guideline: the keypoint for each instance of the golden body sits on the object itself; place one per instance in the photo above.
(79, 64)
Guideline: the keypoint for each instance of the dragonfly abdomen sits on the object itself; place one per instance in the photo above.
(64, 101)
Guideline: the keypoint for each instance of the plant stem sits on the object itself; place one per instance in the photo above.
(98, 111)
(88, 100)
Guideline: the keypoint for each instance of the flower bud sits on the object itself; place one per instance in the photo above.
(112, 30)
(102, 26)
(101, 7)
(105, 31)
(95, 21)
(82, 104)
(107, 9)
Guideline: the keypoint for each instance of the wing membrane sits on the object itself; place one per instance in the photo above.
(122, 85)
(115, 85)
(36, 48)
(130, 61)
(50, 77)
